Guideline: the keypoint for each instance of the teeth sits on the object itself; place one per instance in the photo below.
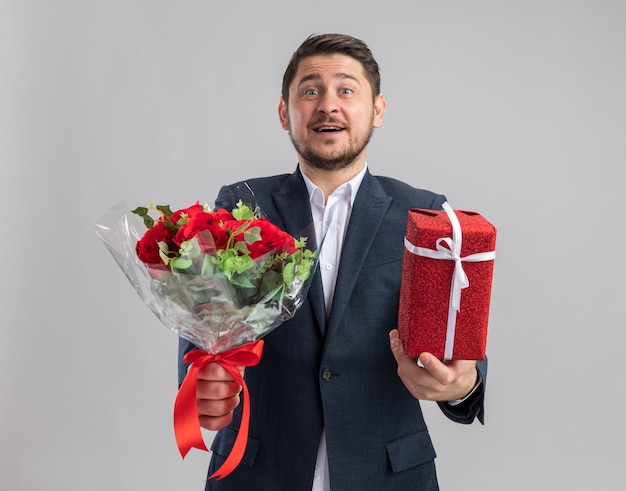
(329, 128)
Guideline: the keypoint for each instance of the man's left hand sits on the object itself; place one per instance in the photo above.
(434, 380)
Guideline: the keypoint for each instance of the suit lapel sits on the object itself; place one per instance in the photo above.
(292, 204)
(370, 206)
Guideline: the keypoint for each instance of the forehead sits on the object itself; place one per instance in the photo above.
(326, 67)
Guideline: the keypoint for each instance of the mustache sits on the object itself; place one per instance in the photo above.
(328, 121)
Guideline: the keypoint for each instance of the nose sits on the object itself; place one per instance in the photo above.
(328, 103)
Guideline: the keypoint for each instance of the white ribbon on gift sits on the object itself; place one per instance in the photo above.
(451, 251)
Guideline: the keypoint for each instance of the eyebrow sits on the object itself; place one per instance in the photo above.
(317, 76)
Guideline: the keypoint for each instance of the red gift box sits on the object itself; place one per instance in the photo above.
(446, 283)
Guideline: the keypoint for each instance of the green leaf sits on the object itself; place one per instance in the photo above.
(190, 248)
(164, 251)
(233, 264)
(163, 247)
(241, 228)
(303, 271)
(208, 265)
(142, 211)
(148, 221)
(165, 210)
(241, 248)
(182, 262)
(288, 273)
(243, 211)
(252, 235)
(242, 281)
(228, 263)
(301, 243)
(243, 263)
(270, 282)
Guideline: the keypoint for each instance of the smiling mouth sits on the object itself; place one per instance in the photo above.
(329, 129)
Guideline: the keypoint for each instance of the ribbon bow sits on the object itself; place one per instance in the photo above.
(186, 418)
(451, 251)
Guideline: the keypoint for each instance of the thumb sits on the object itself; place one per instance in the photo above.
(439, 370)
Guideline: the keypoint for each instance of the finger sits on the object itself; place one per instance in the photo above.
(216, 390)
(216, 372)
(415, 378)
(215, 423)
(219, 408)
(460, 372)
(441, 372)
(407, 366)
(397, 348)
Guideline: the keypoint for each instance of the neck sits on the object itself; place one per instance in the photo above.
(329, 180)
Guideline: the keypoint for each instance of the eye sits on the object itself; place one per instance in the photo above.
(346, 91)
(311, 92)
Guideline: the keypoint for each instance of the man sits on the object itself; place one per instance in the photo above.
(335, 400)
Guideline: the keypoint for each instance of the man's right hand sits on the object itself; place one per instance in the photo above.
(217, 395)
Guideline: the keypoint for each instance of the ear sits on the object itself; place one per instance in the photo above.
(283, 114)
(379, 110)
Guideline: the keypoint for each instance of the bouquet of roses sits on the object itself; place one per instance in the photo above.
(220, 279)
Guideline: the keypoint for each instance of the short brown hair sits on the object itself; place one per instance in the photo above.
(328, 44)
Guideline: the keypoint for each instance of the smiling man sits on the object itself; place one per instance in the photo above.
(335, 400)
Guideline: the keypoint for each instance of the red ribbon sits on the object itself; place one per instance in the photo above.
(186, 418)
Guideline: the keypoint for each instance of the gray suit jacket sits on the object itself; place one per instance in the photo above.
(337, 372)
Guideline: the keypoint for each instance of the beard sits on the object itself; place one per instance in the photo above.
(337, 162)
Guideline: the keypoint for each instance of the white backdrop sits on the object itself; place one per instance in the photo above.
(512, 109)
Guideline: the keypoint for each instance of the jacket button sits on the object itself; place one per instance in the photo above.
(326, 375)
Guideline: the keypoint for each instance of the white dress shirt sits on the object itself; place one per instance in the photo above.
(330, 216)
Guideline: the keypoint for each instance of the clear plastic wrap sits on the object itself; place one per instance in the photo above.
(215, 308)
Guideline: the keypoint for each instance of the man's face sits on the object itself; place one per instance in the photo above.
(331, 112)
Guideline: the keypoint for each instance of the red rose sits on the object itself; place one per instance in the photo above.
(276, 239)
(205, 222)
(148, 248)
(191, 211)
(273, 239)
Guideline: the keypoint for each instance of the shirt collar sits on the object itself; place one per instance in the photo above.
(347, 189)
